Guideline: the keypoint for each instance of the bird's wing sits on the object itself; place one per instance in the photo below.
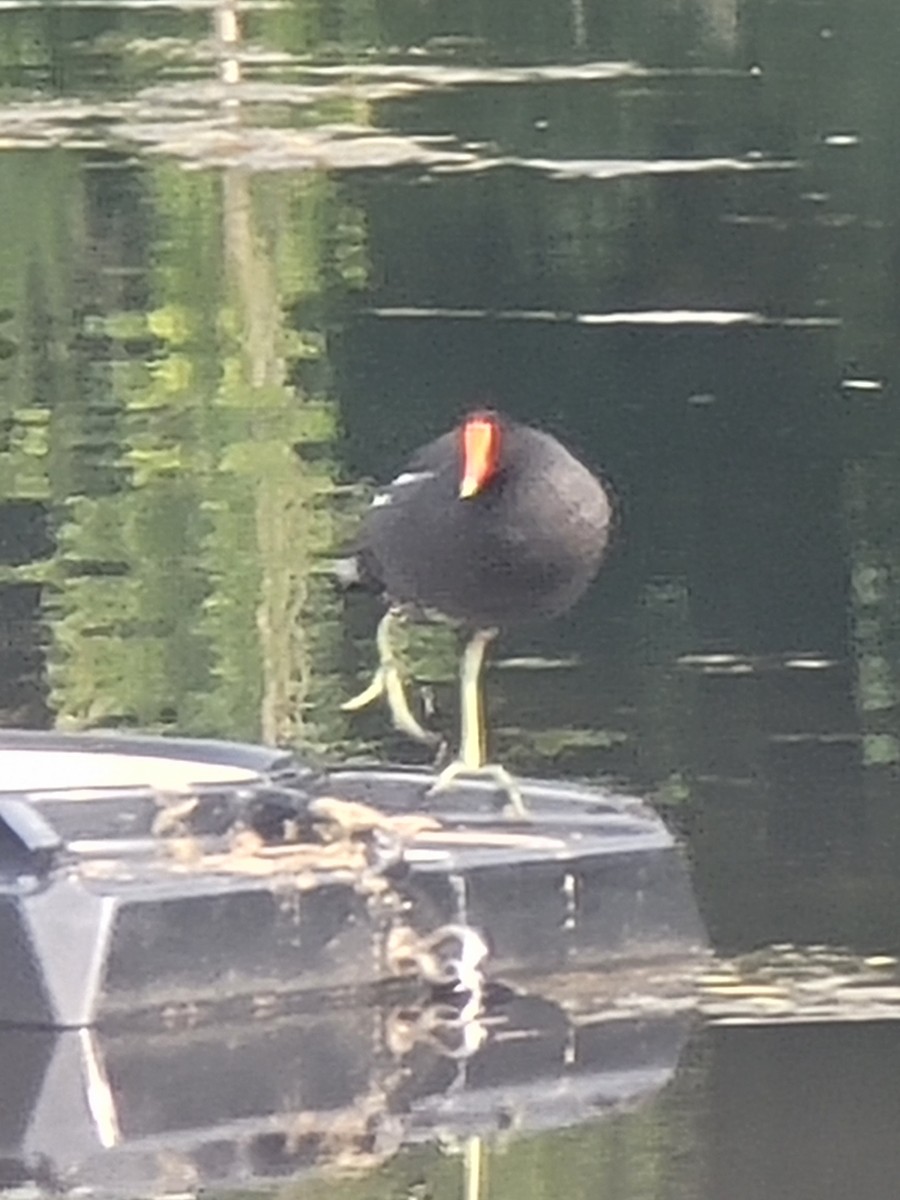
(359, 565)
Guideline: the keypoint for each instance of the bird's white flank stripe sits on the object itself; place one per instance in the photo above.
(405, 477)
(411, 477)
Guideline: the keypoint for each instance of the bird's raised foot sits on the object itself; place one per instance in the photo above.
(388, 682)
(497, 774)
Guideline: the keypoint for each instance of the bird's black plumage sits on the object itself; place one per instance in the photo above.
(525, 546)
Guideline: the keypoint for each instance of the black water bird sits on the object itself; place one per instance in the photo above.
(492, 524)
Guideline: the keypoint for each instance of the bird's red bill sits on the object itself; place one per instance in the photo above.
(480, 445)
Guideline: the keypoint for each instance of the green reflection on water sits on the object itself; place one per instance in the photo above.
(154, 414)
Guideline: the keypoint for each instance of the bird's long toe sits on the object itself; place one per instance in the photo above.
(387, 682)
(495, 773)
(374, 691)
(402, 715)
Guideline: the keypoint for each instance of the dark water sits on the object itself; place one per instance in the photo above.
(665, 230)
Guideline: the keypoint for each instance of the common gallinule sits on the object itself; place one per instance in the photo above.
(490, 524)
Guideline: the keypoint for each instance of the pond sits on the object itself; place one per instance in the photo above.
(253, 255)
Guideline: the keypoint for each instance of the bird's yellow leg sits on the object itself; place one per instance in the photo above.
(388, 682)
(471, 760)
(472, 740)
